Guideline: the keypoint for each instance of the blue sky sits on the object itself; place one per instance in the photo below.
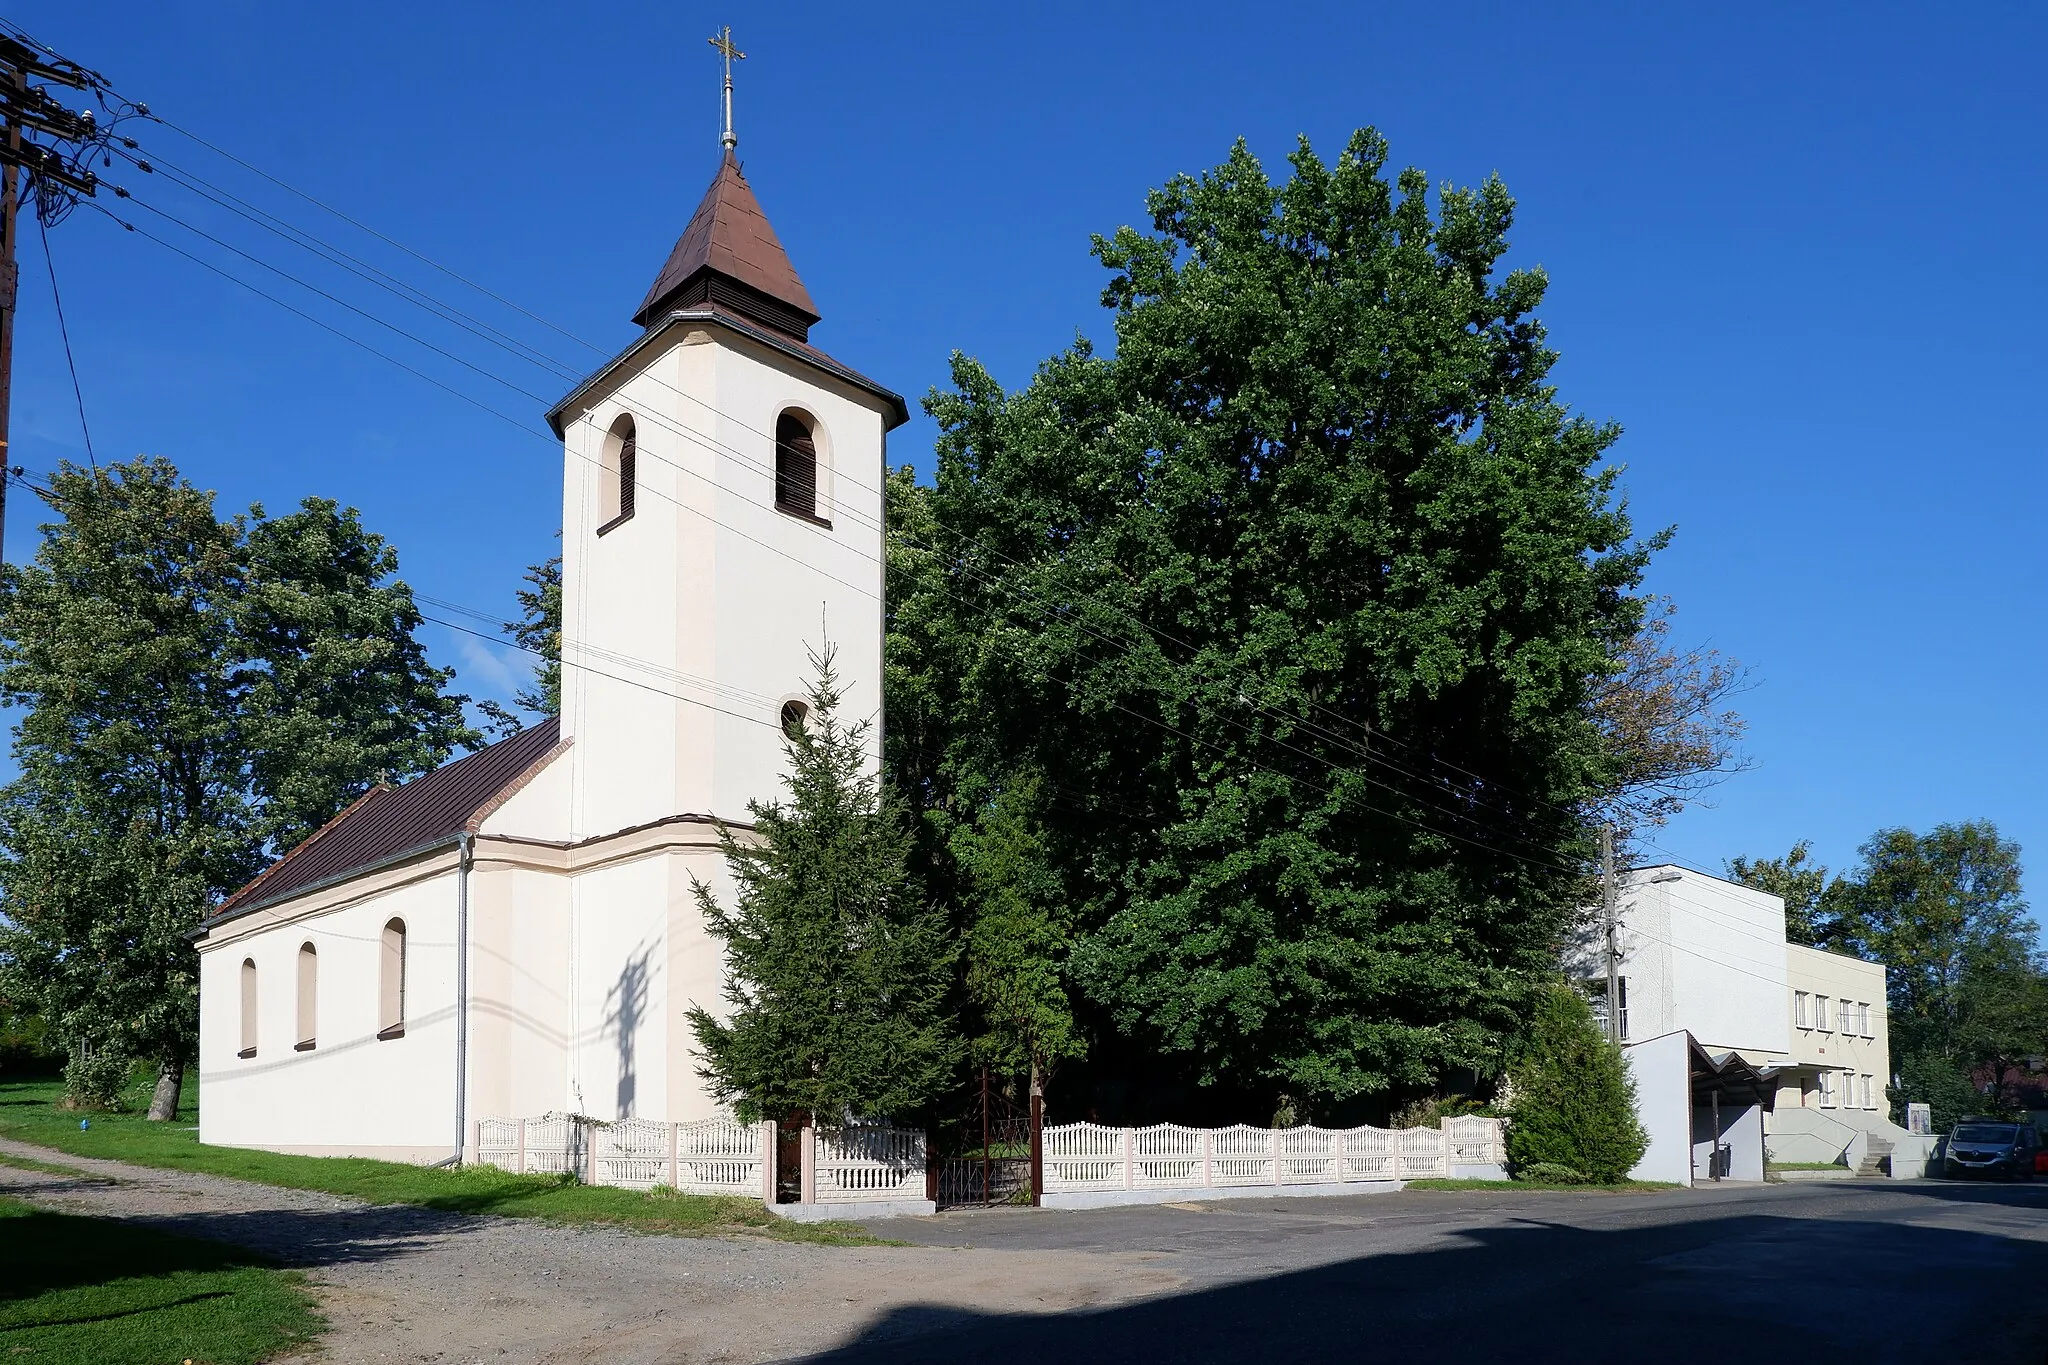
(1795, 255)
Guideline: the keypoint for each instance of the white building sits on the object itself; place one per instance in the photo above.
(515, 932)
(1745, 1048)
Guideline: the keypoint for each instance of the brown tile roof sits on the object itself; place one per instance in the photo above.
(729, 237)
(388, 823)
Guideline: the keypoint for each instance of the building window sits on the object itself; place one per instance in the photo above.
(1866, 1094)
(1863, 1020)
(796, 466)
(1847, 1012)
(1827, 1089)
(248, 1008)
(1799, 1017)
(794, 713)
(1820, 1013)
(619, 473)
(309, 997)
(1598, 989)
(391, 983)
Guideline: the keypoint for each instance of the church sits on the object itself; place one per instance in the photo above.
(515, 932)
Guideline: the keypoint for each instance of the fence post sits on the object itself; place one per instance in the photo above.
(520, 1166)
(1276, 1156)
(1130, 1155)
(476, 1139)
(590, 1151)
(675, 1172)
(1208, 1158)
(764, 1133)
(809, 1191)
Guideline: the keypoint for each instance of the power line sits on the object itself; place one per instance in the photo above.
(64, 331)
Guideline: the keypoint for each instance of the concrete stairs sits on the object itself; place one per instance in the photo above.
(1877, 1155)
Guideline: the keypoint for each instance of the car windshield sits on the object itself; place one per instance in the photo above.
(1999, 1133)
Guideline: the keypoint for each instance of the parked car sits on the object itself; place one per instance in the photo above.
(2041, 1162)
(2010, 1151)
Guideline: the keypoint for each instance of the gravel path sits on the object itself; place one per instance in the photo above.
(408, 1284)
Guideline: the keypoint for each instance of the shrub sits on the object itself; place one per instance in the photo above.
(95, 1077)
(1550, 1173)
(1932, 1079)
(1573, 1102)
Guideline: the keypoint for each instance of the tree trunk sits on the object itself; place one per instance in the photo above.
(170, 1081)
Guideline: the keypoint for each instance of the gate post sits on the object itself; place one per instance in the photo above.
(809, 1191)
(1037, 1146)
(764, 1133)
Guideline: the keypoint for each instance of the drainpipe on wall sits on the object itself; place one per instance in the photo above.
(462, 858)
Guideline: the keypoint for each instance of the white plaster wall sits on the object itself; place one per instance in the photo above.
(1838, 977)
(1663, 1077)
(539, 810)
(690, 622)
(619, 999)
(1714, 959)
(352, 1094)
(519, 989)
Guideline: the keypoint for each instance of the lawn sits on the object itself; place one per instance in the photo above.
(28, 1113)
(98, 1291)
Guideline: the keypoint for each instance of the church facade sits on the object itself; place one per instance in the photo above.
(516, 932)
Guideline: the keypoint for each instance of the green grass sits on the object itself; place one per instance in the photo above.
(28, 1113)
(1623, 1187)
(98, 1291)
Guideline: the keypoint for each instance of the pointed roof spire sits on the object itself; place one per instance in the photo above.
(730, 256)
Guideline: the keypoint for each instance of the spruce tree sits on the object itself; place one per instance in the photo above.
(1573, 1102)
(838, 970)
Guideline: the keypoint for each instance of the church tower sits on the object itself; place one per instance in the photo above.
(721, 519)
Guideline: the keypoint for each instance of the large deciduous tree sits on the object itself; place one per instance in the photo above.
(1810, 897)
(1292, 609)
(197, 693)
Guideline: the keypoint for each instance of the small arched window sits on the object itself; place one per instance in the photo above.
(309, 997)
(248, 1008)
(794, 714)
(391, 983)
(620, 475)
(796, 466)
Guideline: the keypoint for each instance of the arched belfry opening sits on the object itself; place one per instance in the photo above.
(796, 464)
(619, 473)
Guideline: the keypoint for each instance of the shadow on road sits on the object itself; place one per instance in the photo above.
(1682, 1291)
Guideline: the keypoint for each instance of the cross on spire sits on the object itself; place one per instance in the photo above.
(722, 40)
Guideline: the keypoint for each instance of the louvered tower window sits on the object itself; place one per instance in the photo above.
(796, 466)
(618, 474)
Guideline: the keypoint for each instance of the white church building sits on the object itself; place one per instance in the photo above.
(515, 932)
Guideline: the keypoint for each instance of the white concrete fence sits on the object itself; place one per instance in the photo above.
(1085, 1163)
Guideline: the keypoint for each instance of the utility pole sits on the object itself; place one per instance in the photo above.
(28, 108)
(1608, 897)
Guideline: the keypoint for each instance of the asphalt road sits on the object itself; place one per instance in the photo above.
(1918, 1271)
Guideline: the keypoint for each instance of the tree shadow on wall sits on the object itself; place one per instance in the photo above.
(1702, 1291)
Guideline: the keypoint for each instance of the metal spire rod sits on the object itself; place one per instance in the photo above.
(723, 42)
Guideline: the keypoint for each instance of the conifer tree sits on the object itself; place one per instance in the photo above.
(838, 970)
(1573, 1102)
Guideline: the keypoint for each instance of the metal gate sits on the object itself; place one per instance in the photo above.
(984, 1158)
(789, 1160)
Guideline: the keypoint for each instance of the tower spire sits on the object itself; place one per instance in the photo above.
(722, 40)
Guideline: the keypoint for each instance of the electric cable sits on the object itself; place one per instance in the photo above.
(64, 331)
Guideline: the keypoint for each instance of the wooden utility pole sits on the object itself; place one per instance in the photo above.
(1608, 897)
(16, 80)
(27, 107)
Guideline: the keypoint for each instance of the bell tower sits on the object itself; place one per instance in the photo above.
(721, 517)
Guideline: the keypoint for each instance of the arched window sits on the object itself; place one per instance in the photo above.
(794, 713)
(796, 466)
(248, 1008)
(309, 997)
(391, 983)
(620, 475)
